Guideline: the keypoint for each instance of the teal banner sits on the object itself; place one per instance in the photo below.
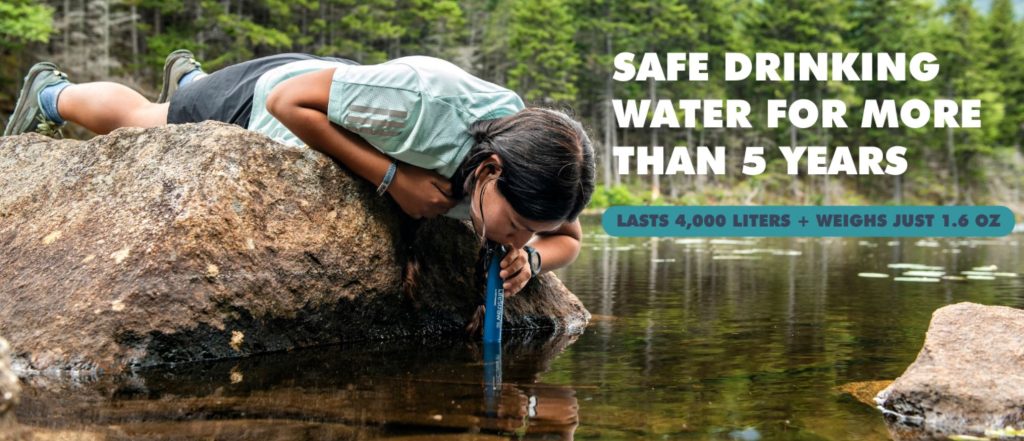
(808, 221)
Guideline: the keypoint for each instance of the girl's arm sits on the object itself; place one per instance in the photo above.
(300, 103)
(557, 249)
(560, 247)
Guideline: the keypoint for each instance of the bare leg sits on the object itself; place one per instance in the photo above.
(103, 106)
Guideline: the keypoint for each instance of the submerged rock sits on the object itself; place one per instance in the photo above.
(206, 241)
(864, 391)
(968, 377)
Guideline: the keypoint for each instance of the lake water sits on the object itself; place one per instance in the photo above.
(732, 339)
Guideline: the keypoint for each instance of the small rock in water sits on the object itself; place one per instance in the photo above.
(966, 376)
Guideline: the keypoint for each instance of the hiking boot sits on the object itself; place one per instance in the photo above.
(176, 65)
(28, 113)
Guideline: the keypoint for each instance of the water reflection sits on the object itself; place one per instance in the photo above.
(413, 389)
(690, 339)
(726, 338)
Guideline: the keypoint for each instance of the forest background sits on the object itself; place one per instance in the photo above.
(558, 53)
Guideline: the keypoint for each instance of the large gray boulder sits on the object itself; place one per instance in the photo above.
(968, 377)
(206, 241)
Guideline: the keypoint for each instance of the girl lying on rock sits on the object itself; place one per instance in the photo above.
(437, 139)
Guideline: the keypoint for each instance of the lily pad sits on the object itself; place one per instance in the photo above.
(975, 277)
(915, 266)
(917, 279)
(734, 257)
(873, 275)
(920, 273)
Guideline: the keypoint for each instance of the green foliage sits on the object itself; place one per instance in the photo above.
(605, 197)
(163, 44)
(543, 52)
(560, 52)
(430, 27)
(599, 199)
(1005, 40)
(23, 24)
(23, 21)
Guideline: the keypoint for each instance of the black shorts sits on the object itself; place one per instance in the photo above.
(226, 95)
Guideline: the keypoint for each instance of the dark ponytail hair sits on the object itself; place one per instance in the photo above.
(547, 163)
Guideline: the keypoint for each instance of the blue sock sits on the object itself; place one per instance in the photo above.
(189, 77)
(48, 101)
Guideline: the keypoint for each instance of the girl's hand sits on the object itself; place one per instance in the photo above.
(420, 192)
(514, 263)
(515, 271)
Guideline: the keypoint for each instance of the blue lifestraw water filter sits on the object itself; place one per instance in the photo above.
(494, 306)
(494, 298)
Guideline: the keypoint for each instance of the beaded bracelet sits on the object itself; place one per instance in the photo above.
(388, 177)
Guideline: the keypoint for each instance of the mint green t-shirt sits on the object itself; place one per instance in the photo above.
(415, 109)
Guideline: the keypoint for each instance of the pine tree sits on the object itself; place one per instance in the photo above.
(960, 48)
(888, 26)
(542, 52)
(1006, 45)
